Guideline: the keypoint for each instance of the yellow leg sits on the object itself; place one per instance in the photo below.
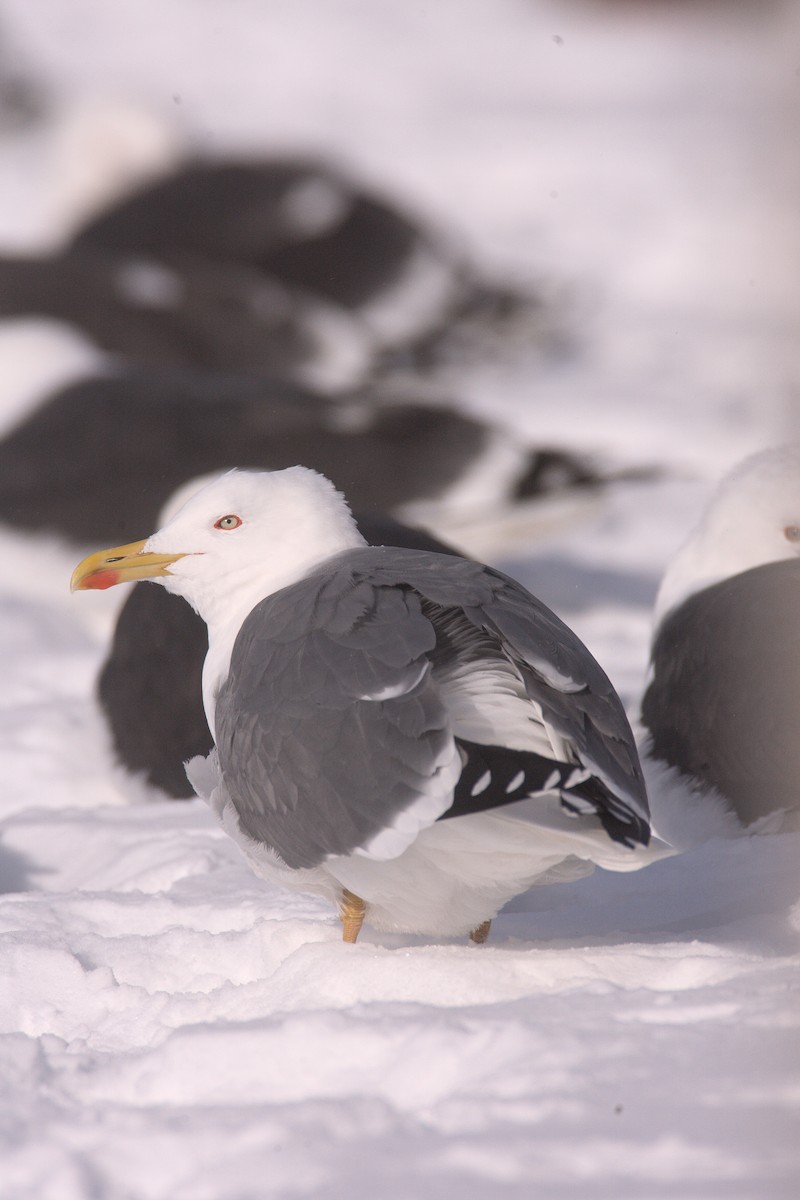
(479, 935)
(351, 914)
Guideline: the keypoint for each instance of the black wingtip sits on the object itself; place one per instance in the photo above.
(494, 776)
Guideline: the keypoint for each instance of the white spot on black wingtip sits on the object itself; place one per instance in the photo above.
(482, 784)
(553, 780)
(580, 806)
(577, 777)
(516, 782)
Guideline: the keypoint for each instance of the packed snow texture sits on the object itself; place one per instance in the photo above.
(175, 1029)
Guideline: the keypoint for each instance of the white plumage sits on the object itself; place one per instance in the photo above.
(744, 525)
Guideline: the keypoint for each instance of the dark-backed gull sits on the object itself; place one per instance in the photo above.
(190, 312)
(300, 221)
(127, 438)
(723, 700)
(412, 735)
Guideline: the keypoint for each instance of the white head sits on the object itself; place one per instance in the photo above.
(239, 538)
(753, 518)
(252, 533)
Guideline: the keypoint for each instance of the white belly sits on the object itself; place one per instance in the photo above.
(457, 873)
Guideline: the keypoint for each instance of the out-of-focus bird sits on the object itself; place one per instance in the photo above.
(723, 698)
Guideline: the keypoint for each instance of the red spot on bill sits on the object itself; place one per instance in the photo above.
(100, 580)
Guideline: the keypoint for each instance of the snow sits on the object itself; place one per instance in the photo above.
(171, 1026)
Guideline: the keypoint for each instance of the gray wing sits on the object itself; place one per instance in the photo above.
(579, 709)
(329, 727)
(337, 723)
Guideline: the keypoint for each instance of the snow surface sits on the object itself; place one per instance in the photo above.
(174, 1028)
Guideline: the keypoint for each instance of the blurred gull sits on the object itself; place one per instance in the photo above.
(189, 312)
(127, 437)
(723, 700)
(126, 185)
(301, 222)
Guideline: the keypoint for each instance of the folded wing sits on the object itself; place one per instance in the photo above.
(392, 688)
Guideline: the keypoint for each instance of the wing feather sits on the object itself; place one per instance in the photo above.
(578, 707)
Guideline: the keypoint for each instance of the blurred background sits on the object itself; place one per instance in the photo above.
(632, 165)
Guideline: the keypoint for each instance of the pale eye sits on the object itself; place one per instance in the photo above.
(792, 533)
(231, 521)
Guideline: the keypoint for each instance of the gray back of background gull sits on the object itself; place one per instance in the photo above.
(724, 702)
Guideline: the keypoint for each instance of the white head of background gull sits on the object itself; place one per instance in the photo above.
(408, 733)
(752, 518)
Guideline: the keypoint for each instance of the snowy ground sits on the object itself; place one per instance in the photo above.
(173, 1028)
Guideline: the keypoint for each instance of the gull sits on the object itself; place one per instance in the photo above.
(412, 735)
